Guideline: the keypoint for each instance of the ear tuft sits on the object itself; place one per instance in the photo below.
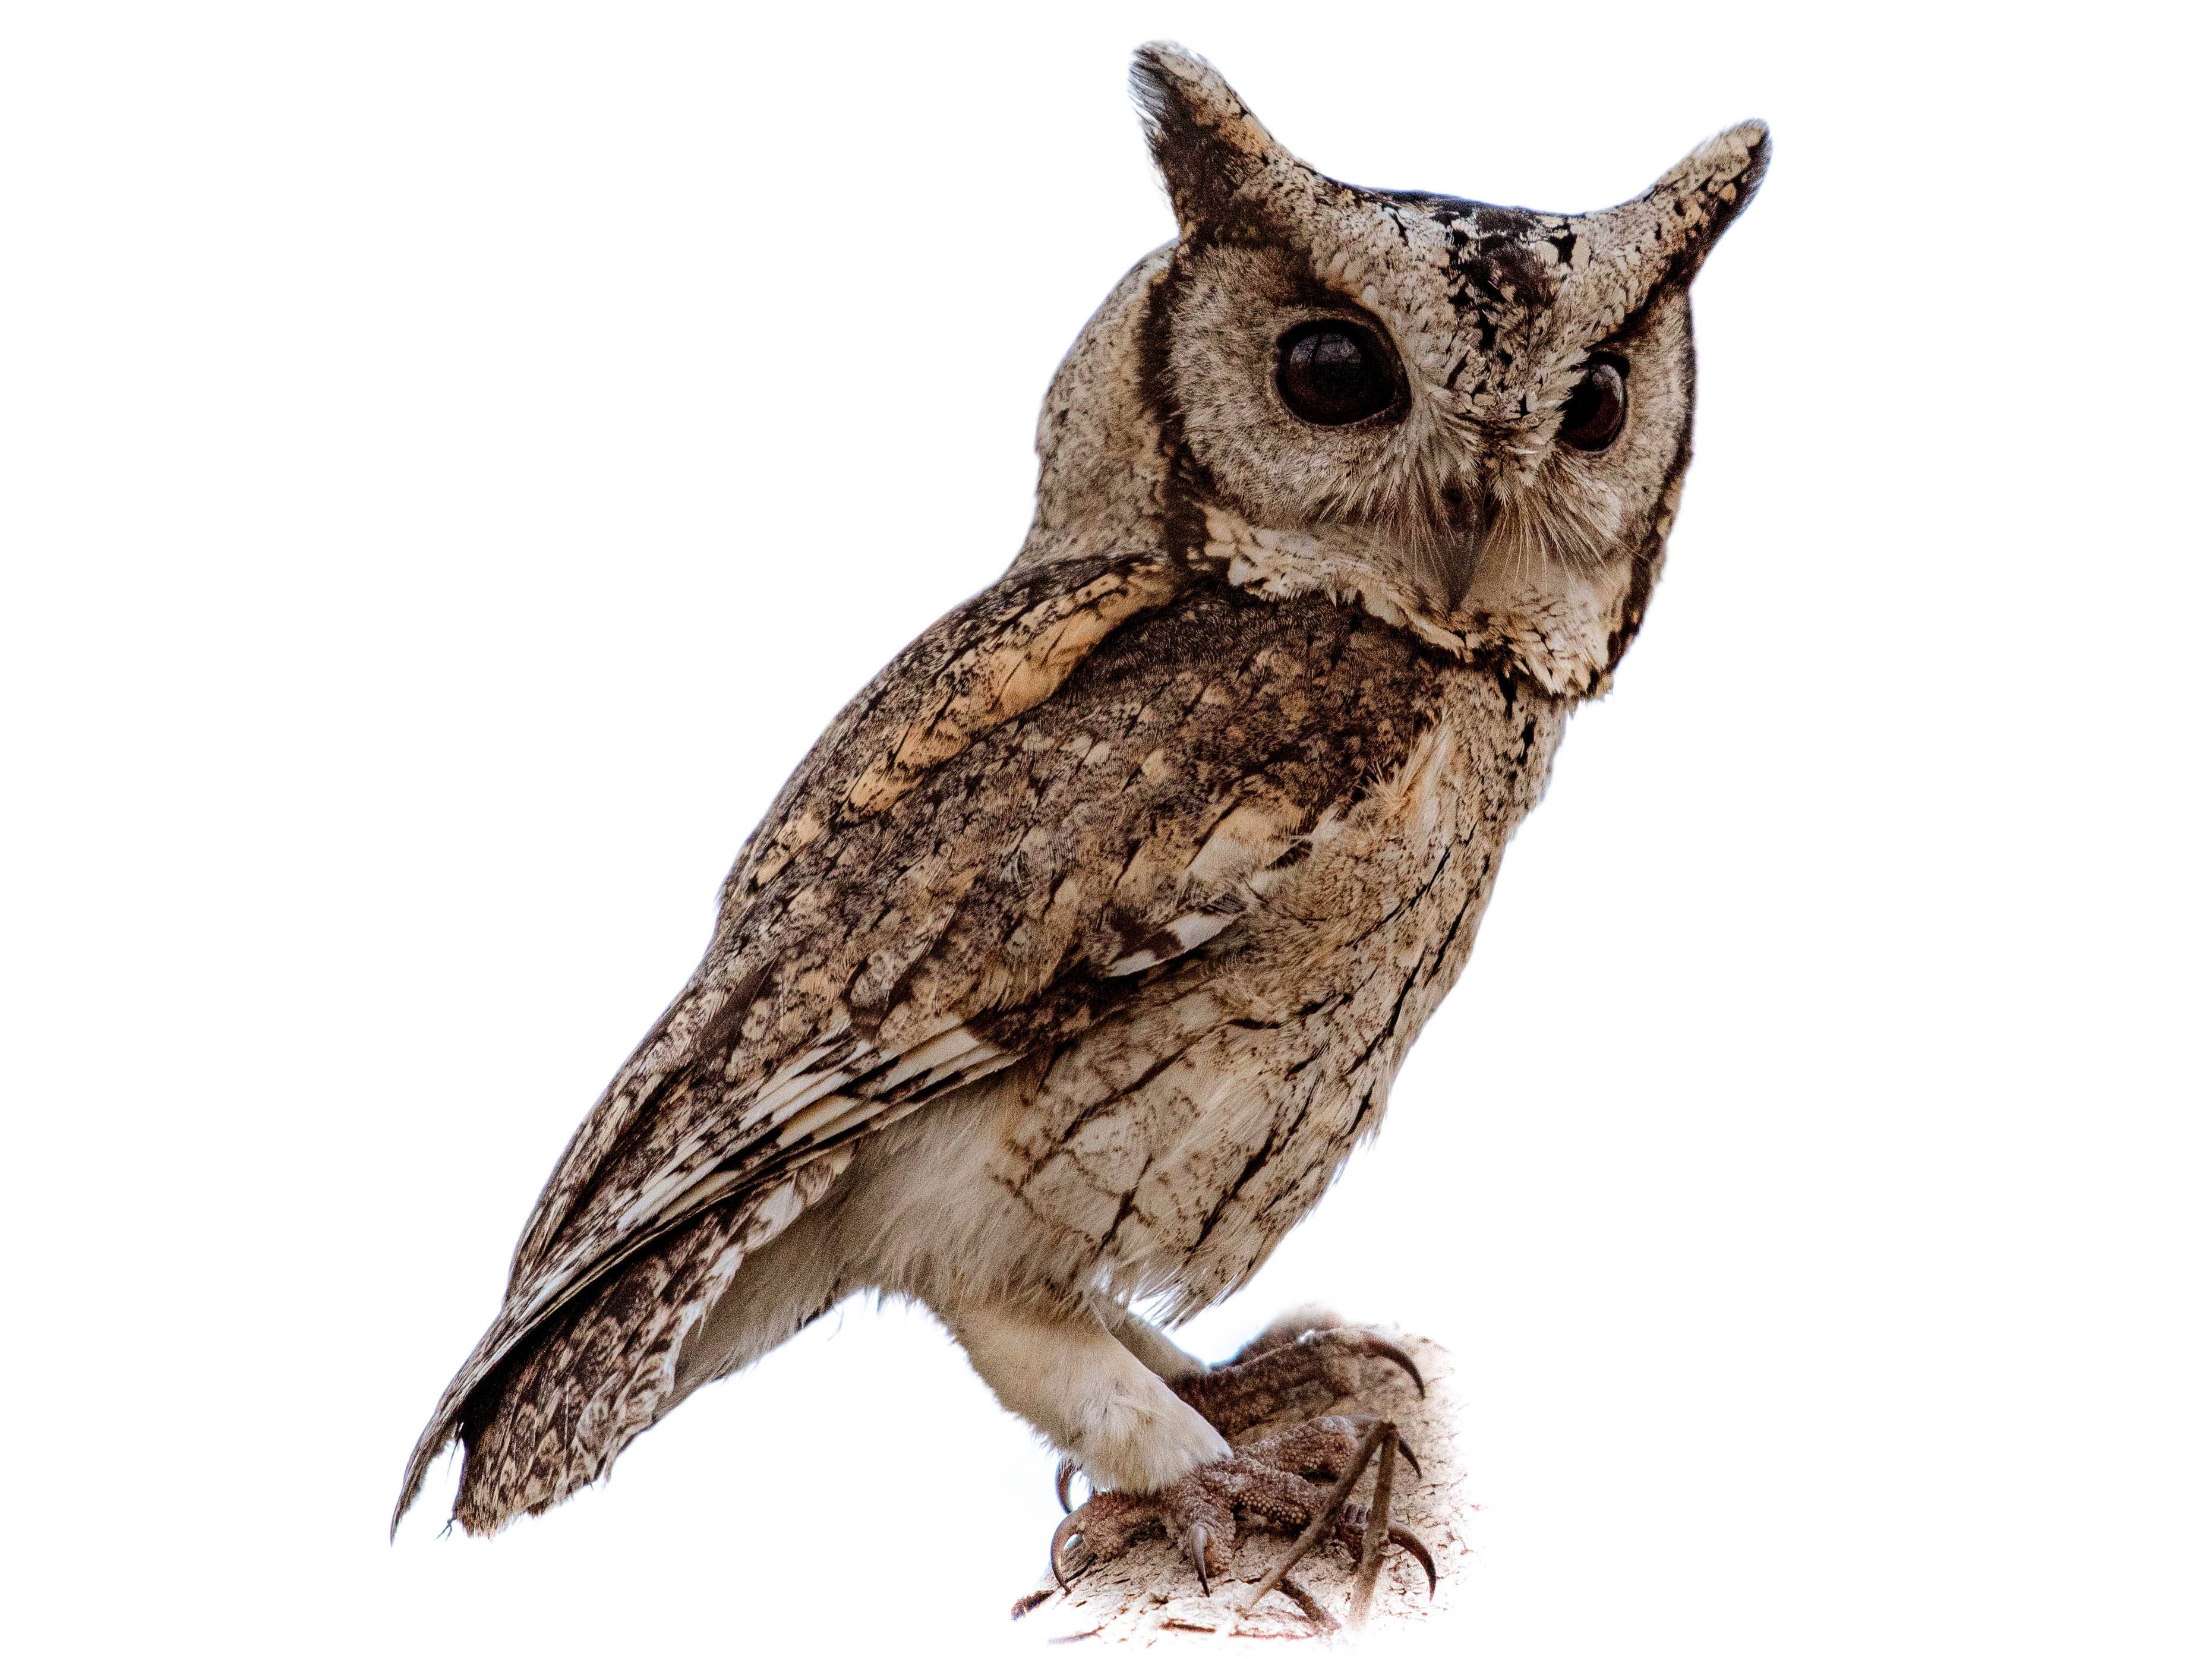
(1205, 142)
(1706, 191)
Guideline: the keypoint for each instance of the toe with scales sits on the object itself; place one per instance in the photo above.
(1269, 1485)
(1257, 1385)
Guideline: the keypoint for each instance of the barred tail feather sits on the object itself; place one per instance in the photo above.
(591, 1384)
(541, 1414)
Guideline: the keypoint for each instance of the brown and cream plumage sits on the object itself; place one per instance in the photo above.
(1073, 963)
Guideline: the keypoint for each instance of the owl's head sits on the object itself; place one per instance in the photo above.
(1474, 419)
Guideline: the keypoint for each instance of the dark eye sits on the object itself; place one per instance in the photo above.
(1335, 373)
(1598, 406)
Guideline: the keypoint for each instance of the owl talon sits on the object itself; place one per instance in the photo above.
(1193, 1545)
(1063, 1481)
(1065, 1571)
(1405, 1446)
(1414, 1547)
(1397, 1357)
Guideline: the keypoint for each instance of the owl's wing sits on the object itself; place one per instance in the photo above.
(1088, 770)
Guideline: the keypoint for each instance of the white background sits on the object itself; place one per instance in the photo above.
(454, 458)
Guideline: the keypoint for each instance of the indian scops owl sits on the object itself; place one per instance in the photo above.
(1069, 967)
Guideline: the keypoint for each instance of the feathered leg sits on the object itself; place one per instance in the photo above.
(1087, 1393)
(1153, 1348)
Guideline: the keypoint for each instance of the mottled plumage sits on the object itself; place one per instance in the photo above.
(1073, 961)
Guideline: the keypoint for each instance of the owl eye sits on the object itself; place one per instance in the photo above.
(1598, 406)
(1335, 372)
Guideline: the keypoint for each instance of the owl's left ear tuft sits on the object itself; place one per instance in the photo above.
(1663, 235)
(1206, 143)
(1702, 194)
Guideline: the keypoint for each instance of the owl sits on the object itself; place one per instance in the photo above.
(1065, 972)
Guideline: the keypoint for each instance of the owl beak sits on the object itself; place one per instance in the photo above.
(1459, 562)
(1473, 508)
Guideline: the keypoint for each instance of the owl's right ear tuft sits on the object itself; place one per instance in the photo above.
(1206, 143)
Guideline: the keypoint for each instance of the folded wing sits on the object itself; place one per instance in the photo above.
(1090, 769)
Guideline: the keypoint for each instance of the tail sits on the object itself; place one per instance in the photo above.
(545, 1405)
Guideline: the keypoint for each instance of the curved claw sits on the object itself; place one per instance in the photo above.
(1404, 1451)
(1060, 1534)
(1064, 1479)
(1397, 1357)
(1414, 1547)
(1194, 1543)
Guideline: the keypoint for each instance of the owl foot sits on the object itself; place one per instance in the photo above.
(1266, 1378)
(1268, 1486)
(1305, 1358)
